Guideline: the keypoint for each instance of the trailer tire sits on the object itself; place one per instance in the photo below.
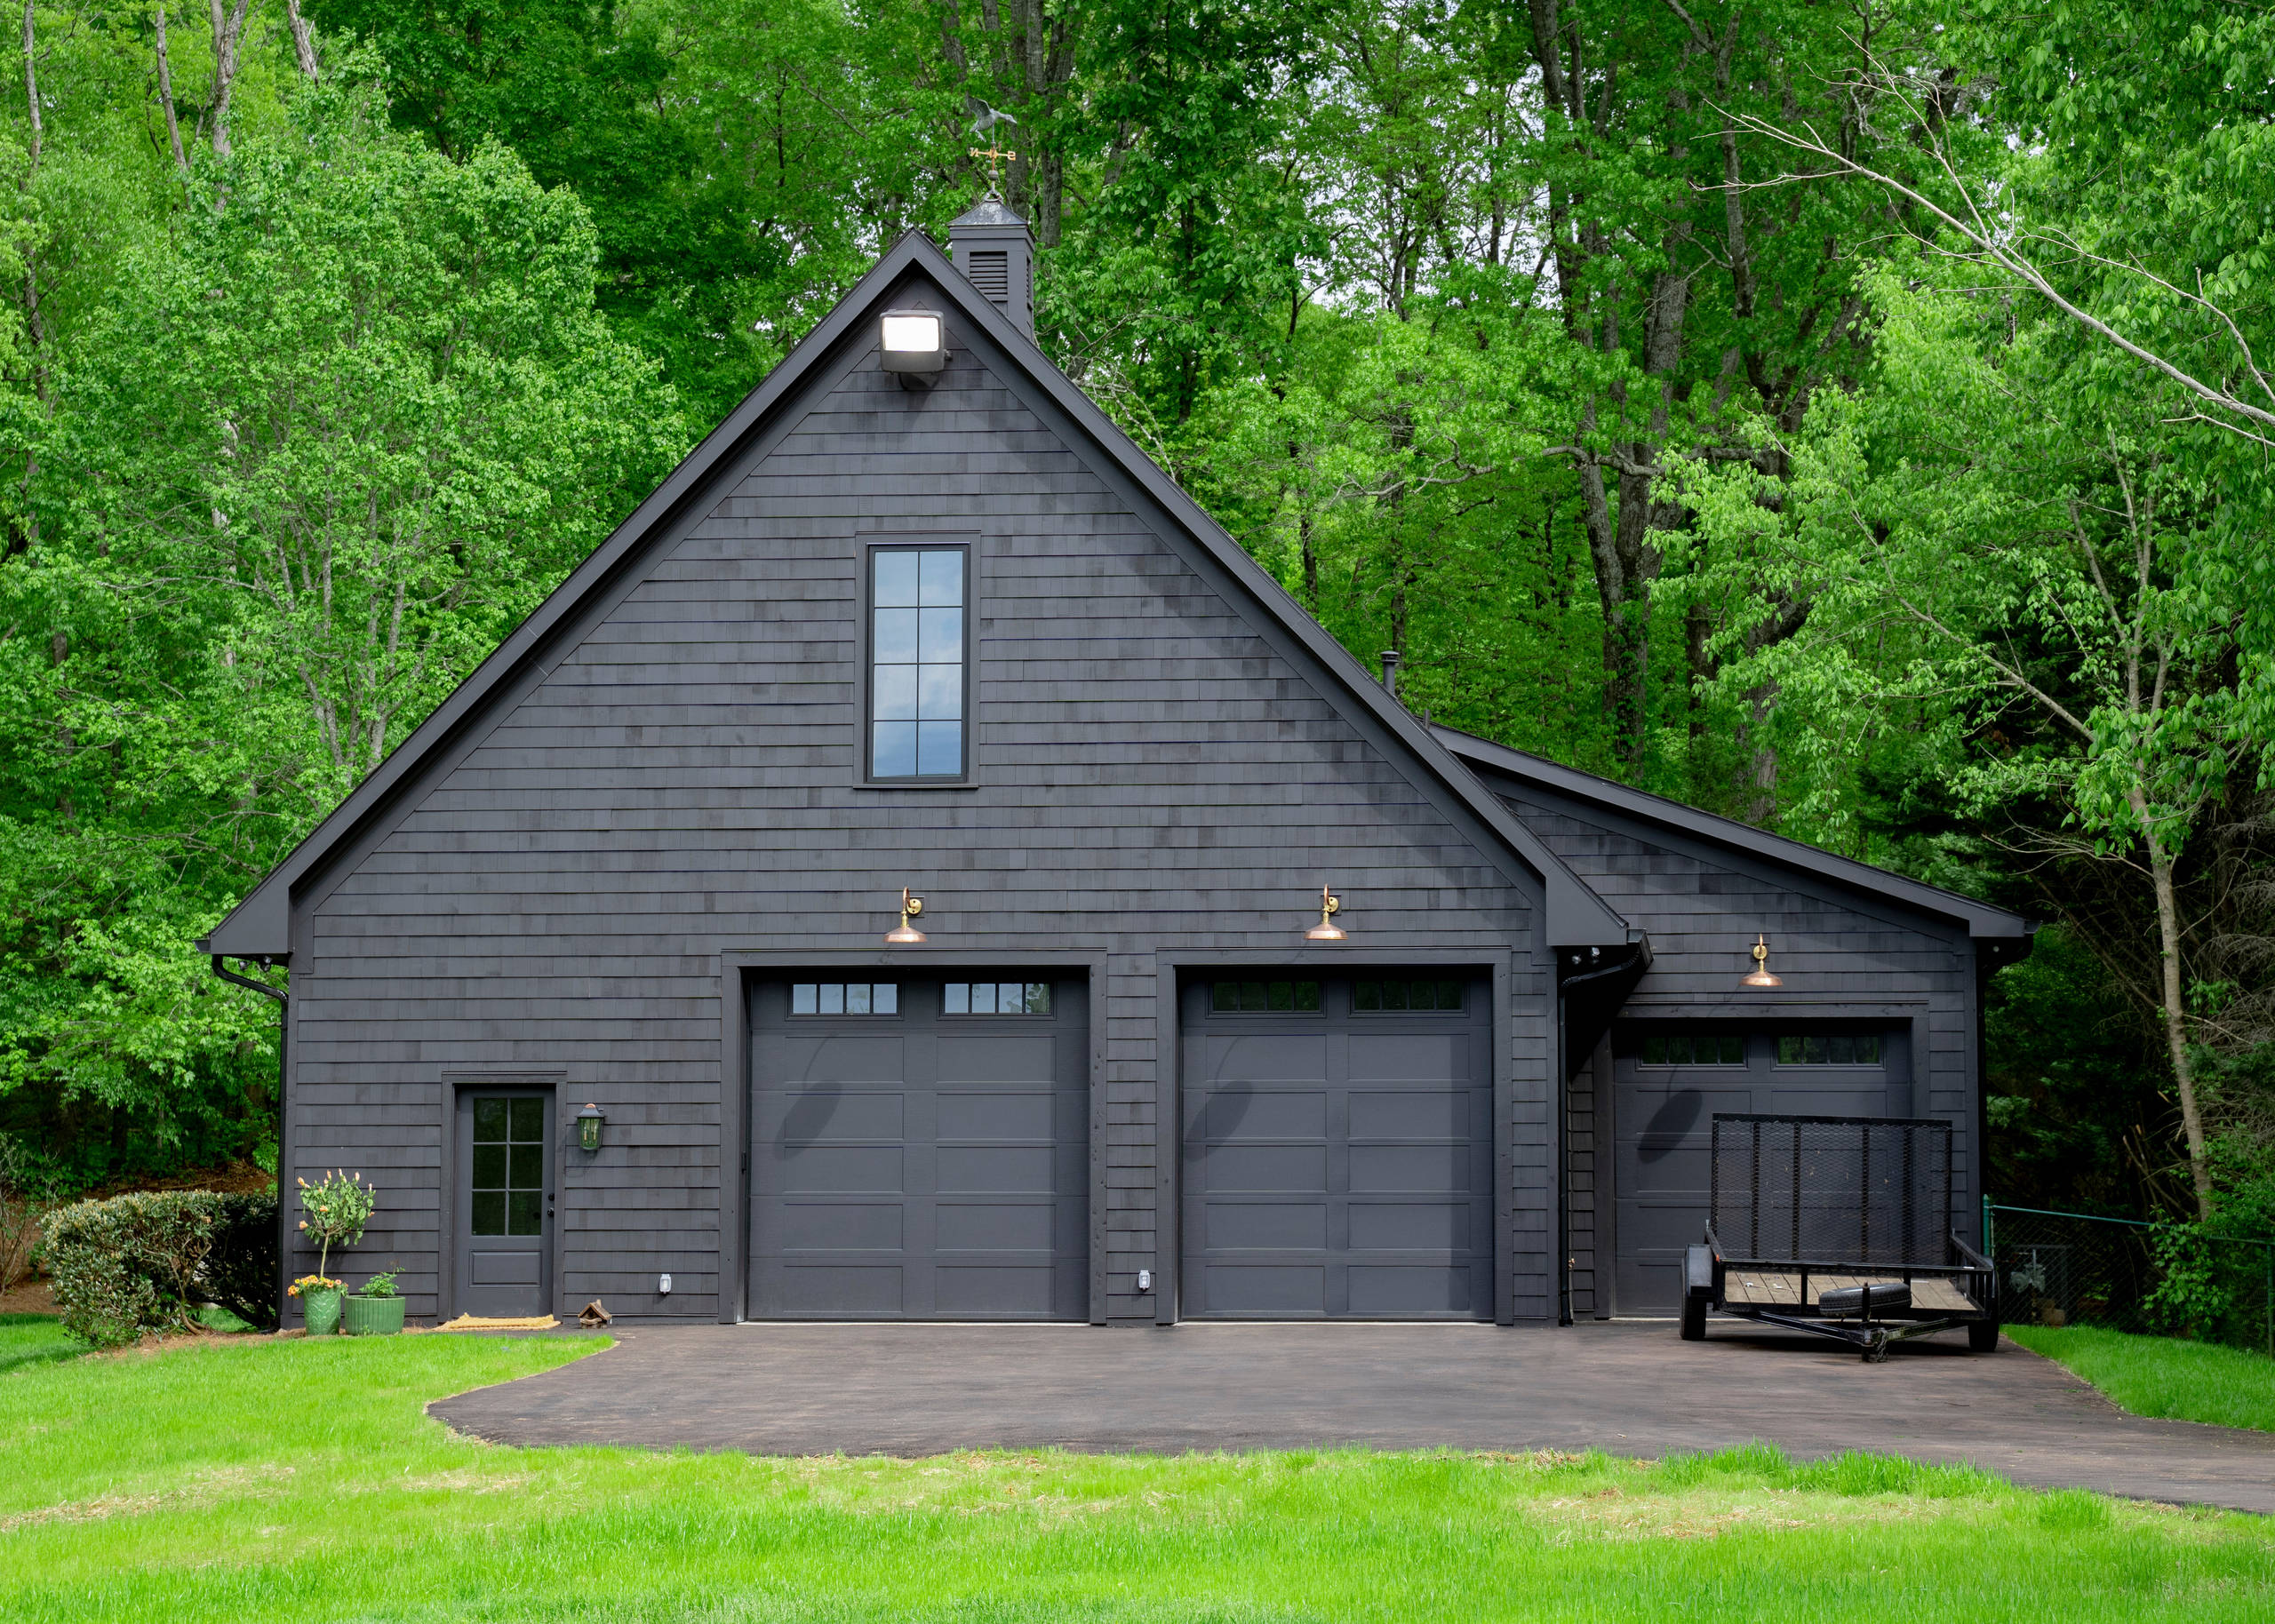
(1982, 1335)
(1694, 1319)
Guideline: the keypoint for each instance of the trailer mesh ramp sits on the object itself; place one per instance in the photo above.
(1869, 1192)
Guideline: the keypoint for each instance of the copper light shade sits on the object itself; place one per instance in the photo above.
(905, 934)
(1762, 977)
(1327, 930)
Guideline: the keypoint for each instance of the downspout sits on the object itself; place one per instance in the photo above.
(283, 1073)
(1563, 1129)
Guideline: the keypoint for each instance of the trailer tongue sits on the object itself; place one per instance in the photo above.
(1838, 1226)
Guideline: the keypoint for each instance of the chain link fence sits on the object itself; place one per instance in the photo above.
(2169, 1280)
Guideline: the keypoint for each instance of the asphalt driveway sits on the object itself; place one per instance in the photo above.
(1629, 1389)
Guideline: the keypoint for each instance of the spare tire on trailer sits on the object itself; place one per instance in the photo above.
(1982, 1335)
(1846, 1300)
(1694, 1319)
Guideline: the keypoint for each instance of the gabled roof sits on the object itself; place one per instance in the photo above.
(260, 926)
(1982, 921)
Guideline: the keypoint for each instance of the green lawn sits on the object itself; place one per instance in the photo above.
(262, 1479)
(34, 1339)
(2162, 1376)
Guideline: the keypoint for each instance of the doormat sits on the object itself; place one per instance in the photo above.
(478, 1322)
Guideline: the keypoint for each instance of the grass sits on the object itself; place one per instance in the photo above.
(294, 1479)
(2163, 1376)
(34, 1339)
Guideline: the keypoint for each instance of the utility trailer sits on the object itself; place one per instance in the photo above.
(1838, 1226)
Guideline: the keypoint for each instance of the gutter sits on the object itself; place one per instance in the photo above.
(283, 1072)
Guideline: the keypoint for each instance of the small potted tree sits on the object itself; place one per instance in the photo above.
(338, 1206)
(375, 1309)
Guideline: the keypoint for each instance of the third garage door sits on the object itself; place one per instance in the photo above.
(1338, 1147)
(1671, 1079)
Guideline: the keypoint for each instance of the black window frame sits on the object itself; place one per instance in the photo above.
(966, 543)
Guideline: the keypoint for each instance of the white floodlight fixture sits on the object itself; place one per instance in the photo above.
(915, 344)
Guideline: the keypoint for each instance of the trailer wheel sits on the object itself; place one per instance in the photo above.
(1694, 1319)
(1982, 1335)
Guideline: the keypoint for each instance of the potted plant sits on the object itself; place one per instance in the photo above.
(319, 1296)
(375, 1310)
(339, 1205)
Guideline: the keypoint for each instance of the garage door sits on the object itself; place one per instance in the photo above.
(1670, 1081)
(919, 1148)
(1338, 1148)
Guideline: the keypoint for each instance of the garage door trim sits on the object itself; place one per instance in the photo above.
(1176, 969)
(737, 974)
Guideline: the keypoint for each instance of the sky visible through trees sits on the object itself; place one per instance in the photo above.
(1850, 419)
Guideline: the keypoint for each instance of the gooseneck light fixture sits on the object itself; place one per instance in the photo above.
(1326, 929)
(915, 347)
(905, 934)
(1762, 977)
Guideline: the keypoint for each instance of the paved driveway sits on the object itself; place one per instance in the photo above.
(1630, 1390)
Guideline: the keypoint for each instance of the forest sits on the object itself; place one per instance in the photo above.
(1852, 419)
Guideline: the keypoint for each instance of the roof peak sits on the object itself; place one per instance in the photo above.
(989, 211)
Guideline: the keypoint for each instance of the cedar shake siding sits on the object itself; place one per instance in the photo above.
(1155, 775)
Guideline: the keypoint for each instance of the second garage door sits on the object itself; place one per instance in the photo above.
(1338, 1147)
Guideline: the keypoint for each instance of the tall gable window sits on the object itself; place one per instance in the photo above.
(917, 641)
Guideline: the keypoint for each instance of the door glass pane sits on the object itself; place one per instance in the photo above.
(489, 1208)
(529, 1167)
(490, 1119)
(529, 1120)
(522, 1216)
(488, 1166)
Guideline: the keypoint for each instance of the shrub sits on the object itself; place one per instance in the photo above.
(241, 1271)
(143, 1263)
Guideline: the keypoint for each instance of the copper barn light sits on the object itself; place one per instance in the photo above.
(1762, 977)
(1326, 930)
(905, 934)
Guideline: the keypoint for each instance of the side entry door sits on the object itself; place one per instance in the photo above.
(505, 1159)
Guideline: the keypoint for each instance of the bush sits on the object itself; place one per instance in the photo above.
(143, 1263)
(241, 1270)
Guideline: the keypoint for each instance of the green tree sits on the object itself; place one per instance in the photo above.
(339, 429)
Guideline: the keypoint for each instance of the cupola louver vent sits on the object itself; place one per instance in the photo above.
(991, 274)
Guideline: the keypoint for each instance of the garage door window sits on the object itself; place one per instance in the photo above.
(1829, 1049)
(844, 998)
(1386, 996)
(1264, 997)
(1701, 1049)
(1011, 998)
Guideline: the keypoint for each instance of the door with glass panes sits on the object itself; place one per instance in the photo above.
(504, 1157)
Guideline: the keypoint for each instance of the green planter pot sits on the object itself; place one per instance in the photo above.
(373, 1316)
(323, 1311)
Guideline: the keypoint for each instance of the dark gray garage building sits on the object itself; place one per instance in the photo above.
(943, 627)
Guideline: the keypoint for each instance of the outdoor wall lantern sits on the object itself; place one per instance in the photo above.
(905, 934)
(588, 1127)
(915, 344)
(1762, 977)
(1327, 930)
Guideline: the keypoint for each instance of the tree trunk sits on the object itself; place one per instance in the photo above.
(304, 45)
(167, 95)
(228, 35)
(2175, 1011)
